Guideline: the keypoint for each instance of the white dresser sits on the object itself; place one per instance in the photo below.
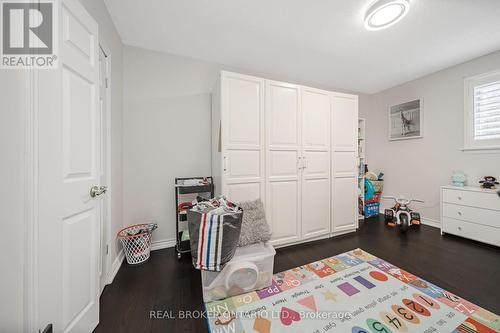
(471, 212)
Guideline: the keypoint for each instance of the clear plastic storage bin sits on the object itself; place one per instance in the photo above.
(250, 269)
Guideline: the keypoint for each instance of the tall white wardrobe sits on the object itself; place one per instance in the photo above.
(293, 147)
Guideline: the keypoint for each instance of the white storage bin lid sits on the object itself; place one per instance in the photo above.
(244, 258)
(251, 252)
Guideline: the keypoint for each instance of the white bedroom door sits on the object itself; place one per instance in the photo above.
(344, 169)
(69, 220)
(316, 162)
(283, 161)
(104, 116)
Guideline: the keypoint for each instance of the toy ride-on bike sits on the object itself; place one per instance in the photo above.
(401, 216)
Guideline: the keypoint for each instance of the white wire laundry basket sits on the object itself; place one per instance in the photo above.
(136, 241)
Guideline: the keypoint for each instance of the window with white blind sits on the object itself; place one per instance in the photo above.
(482, 112)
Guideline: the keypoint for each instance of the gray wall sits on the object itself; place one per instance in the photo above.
(419, 167)
(13, 108)
(166, 132)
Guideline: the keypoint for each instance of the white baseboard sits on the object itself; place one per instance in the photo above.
(117, 263)
(431, 222)
(162, 244)
(423, 220)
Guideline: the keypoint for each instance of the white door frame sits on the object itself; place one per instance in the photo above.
(30, 300)
(31, 193)
(107, 52)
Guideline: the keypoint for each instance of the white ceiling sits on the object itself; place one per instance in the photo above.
(320, 41)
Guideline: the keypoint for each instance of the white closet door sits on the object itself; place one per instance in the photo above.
(242, 137)
(316, 183)
(283, 140)
(344, 169)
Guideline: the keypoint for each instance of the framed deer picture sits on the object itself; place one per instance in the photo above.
(406, 120)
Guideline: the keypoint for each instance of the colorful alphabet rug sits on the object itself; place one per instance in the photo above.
(354, 292)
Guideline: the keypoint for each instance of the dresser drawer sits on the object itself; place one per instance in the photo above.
(472, 214)
(474, 231)
(471, 198)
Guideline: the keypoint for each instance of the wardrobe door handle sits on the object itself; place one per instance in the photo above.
(225, 163)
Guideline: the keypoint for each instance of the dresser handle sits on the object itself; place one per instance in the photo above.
(460, 228)
(460, 213)
(459, 198)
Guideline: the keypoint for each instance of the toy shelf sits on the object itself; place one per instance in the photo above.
(361, 166)
(195, 189)
(187, 193)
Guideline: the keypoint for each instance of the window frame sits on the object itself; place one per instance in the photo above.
(470, 144)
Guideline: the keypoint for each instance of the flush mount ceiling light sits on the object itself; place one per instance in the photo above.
(384, 13)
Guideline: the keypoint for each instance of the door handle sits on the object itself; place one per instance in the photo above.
(302, 162)
(96, 191)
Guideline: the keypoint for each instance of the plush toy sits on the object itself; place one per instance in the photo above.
(489, 182)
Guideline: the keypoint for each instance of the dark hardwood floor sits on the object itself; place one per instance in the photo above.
(464, 267)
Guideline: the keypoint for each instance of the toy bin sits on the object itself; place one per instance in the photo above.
(136, 241)
(372, 209)
(376, 198)
(378, 185)
(250, 269)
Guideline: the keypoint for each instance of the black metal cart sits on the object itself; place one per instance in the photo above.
(188, 193)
